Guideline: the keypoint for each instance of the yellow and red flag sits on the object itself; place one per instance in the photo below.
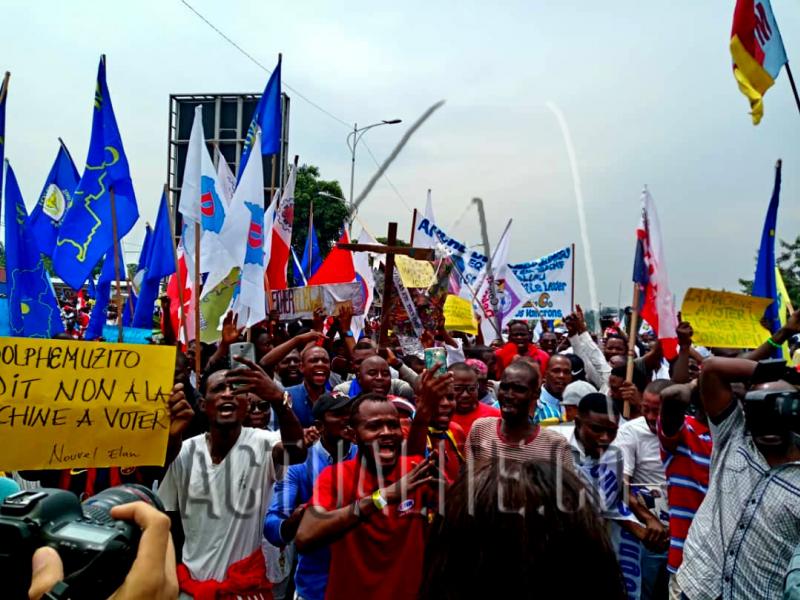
(757, 51)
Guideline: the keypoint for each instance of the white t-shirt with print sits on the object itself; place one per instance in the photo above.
(222, 506)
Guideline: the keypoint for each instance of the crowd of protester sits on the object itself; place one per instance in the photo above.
(333, 467)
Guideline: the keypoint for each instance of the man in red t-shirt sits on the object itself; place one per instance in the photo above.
(520, 343)
(468, 406)
(372, 510)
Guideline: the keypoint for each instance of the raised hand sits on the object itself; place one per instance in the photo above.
(254, 381)
(684, 332)
(424, 474)
(230, 329)
(319, 319)
(180, 411)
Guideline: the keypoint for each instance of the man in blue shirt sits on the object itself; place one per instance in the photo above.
(331, 413)
(315, 365)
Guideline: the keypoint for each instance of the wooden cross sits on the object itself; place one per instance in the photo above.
(391, 249)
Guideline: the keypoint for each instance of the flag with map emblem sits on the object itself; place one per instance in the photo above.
(85, 233)
(33, 309)
(54, 201)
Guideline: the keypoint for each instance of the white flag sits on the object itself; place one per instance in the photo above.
(227, 180)
(487, 290)
(200, 201)
(366, 278)
(423, 239)
(234, 238)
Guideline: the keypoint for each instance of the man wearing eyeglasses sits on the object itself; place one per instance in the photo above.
(514, 436)
(468, 406)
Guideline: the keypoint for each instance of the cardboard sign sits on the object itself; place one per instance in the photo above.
(414, 273)
(69, 404)
(458, 315)
(724, 319)
(299, 303)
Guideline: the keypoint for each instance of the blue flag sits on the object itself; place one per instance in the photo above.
(3, 95)
(160, 264)
(312, 259)
(133, 290)
(86, 230)
(91, 289)
(764, 284)
(33, 309)
(267, 116)
(107, 275)
(54, 201)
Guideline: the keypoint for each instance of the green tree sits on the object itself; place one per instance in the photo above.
(788, 261)
(330, 213)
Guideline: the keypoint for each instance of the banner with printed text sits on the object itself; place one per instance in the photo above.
(548, 284)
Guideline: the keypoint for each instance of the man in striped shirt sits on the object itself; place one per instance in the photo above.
(514, 436)
(686, 452)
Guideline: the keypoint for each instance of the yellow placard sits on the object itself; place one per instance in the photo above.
(69, 404)
(458, 315)
(725, 319)
(414, 273)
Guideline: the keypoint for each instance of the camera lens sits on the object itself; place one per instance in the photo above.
(99, 507)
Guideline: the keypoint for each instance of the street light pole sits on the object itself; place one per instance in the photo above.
(356, 136)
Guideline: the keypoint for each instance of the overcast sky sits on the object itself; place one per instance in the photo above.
(646, 89)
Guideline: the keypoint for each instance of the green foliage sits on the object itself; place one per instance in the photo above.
(329, 213)
(788, 260)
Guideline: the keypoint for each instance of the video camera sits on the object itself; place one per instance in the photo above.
(96, 549)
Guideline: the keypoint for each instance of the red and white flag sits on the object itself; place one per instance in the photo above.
(656, 304)
(282, 235)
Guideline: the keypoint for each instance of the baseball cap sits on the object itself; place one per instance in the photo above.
(329, 402)
(575, 391)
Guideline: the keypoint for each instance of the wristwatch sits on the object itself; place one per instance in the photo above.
(348, 333)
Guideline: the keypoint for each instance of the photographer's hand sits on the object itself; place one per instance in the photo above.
(47, 570)
(152, 576)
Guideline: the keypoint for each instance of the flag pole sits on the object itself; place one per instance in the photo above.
(177, 268)
(115, 235)
(794, 87)
(626, 409)
(413, 228)
(572, 301)
(196, 297)
(4, 86)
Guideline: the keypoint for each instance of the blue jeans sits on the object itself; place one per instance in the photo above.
(655, 578)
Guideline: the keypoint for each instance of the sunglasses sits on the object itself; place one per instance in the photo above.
(460, 389)
(262, 406)
(514, 387)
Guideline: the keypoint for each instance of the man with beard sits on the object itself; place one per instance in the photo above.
(514, 436)
(315, 365)
(371, 510)
(221, 484)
